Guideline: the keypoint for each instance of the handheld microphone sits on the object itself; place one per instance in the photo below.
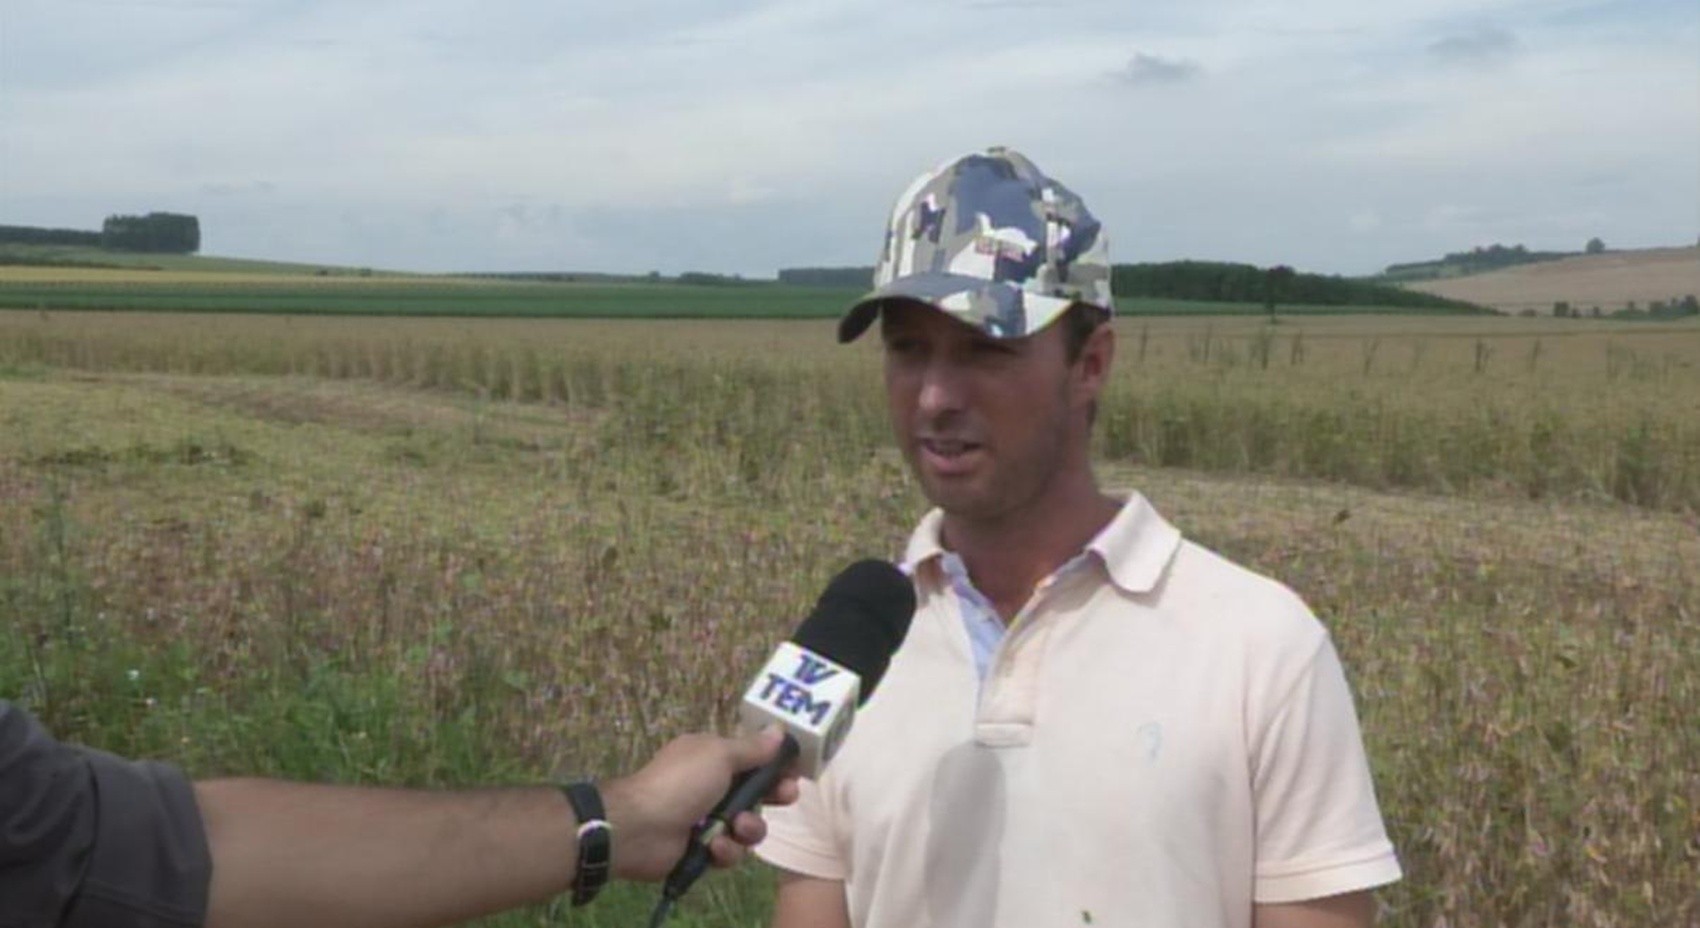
(811, 687)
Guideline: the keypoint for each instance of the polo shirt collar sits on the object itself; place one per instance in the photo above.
(1135, 548)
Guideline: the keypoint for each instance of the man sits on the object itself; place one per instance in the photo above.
(89, 840)
(1092, 720)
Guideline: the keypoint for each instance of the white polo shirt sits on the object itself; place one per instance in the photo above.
(1162, 739)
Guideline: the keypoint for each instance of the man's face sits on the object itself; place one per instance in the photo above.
(987, 424)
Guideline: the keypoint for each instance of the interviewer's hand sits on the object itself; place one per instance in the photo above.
(654, 809)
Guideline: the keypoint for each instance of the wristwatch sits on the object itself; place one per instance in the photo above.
(595, 840)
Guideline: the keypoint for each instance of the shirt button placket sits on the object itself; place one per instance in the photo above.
(1003, 702)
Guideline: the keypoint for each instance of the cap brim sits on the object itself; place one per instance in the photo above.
(998, 308)
(859, 317)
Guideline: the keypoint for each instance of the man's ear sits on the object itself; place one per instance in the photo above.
(1092, 368)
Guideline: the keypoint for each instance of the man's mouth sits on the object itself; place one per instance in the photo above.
(948, 455)
(948, 447)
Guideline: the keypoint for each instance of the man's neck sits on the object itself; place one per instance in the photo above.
(1007, 558)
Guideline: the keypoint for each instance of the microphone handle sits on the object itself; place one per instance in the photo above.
(747, 790)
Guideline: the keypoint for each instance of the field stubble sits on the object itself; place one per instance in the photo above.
(254, 547)
(1550, 409)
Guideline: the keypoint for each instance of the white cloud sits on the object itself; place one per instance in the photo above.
(1146, 68)
(1482, 45)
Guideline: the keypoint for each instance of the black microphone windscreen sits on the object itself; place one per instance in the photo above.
(861, 619)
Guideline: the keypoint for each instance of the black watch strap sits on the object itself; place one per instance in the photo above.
(595, 840)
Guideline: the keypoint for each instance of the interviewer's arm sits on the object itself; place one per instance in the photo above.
(287, 854)
(809, 902)
(1347, 910)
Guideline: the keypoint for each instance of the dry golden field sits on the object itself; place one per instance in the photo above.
(455, 551)
(1609, 281)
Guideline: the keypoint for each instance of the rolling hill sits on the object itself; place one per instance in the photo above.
(1611, 281)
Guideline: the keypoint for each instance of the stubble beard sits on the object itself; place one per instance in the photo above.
(1011, 488)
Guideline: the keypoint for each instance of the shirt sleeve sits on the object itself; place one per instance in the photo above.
(800, 836)
(1319, 829)
(89, 840)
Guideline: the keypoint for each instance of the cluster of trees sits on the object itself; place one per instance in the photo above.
(696, 278)
(1245, 283)
(34, 235)
(1674, 308)
(1211, 281)
(167, 233)
(1661, 309)
(849, 277)
(705, 279)
(1479, 259)
(559, 277)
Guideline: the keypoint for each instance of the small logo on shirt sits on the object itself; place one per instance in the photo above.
(1149, 737)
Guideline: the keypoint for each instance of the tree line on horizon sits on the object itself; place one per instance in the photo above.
(154, 233)
(1203, 281)
(1481, 259)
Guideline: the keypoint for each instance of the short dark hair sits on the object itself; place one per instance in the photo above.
(1079, 322)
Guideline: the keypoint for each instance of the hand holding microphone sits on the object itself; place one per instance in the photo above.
(810, 687)
(653, 808)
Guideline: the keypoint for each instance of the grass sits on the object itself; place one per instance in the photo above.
(435, 552)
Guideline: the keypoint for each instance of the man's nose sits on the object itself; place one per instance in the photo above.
(942, 388)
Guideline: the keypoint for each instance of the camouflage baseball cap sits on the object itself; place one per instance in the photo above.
(989, 239)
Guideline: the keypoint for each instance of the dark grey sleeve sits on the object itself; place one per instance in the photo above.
(90, 840)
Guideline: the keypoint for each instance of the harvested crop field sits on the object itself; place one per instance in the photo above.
(1610, 281)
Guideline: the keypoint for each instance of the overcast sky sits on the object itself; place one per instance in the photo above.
(748, 135)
